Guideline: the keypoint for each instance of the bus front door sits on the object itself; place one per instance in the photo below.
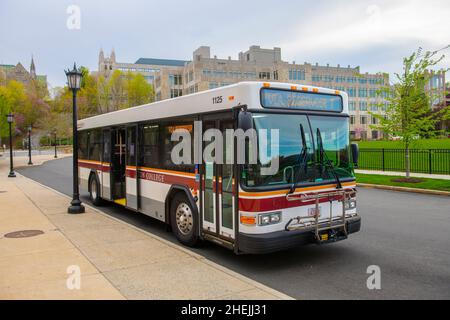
(118, 166)
(218, 187)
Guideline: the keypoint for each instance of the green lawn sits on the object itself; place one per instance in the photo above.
(419, 144)
(430, 184)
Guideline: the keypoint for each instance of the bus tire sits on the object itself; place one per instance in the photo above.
(94, 190)
(184, 220)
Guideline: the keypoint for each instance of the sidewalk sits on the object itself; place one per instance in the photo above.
(414, 175)
(117, 260)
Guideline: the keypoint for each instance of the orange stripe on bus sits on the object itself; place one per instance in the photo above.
(94, 162)
(192, 175)
(283, 192)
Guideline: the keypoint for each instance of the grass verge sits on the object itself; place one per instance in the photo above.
(429, 184)
(417, 144)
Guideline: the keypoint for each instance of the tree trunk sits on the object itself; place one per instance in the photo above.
(407, 162)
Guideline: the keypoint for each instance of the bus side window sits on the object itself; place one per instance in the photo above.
(95, 145)
(150, 152)
(168, 145)
(107, 146)
(82, 145)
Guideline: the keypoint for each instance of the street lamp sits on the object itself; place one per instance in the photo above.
(74, 83)
(10, 119)
(29, 146)
(54, 134)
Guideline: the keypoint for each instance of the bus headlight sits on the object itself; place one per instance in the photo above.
(350, 204)
(269, 218)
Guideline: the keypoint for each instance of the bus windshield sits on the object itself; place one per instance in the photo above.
(300, 161)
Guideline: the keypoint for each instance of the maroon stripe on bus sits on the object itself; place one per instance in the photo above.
(162, 178)
(277, 203)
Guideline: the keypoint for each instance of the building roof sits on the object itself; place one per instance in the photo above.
(161, 62)
(7, 66)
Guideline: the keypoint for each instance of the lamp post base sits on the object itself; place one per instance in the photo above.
(11, 174)
(30, 163)
(76, 207)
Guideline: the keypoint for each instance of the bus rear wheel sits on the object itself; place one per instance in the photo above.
(184, 220)
(94, 191)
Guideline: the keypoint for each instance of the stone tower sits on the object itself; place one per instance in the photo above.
(105, 64)
(32, 69)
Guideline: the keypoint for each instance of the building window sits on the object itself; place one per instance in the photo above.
(174, 93)
(352, 106)
(363, 106)
(374, 120)
(175, 79)
(351, 92)
(352, 120)
(362, 92)
(374, 107)
(373, 93)
(363, 120)
(264, 75)
(374, 135)
(275, 75)
(297, 75)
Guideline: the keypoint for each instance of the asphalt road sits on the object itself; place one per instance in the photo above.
(407, 235)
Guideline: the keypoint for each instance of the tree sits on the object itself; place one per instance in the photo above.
(116, 88)
(408, 114)
(12, 99)
(139, 90)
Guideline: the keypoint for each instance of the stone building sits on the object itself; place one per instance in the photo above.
(436, 87)
(18, 73)
(173, 78)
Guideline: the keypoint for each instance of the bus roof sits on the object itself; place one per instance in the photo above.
(224, 98)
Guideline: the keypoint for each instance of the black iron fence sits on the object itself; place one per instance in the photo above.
(431, 161)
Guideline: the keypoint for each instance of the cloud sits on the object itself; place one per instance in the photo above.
(352, 26)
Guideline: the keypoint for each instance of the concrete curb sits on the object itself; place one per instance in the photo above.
(404, 189)
(197, 256)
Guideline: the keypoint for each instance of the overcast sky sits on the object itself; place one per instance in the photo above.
(375, 35)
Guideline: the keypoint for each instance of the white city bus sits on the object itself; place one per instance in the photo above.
(125, 157)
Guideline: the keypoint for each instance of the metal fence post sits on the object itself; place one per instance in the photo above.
(382, 154)
(430, 162)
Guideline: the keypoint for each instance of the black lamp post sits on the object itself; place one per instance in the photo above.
(74, 83)
(54, 134)
(29, 146)
(10, 119)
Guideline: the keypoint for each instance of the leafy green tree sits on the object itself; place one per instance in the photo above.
(408, 114)
(12, 99)
(139, 90)
(116, 87)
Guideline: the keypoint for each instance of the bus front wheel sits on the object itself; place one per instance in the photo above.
(184, 220)
(94, 190)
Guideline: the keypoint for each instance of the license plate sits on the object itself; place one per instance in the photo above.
(312, 212)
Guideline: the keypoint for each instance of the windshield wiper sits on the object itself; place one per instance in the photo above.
(325, 160)
(303, 160)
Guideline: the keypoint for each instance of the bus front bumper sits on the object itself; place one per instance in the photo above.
(283, 240)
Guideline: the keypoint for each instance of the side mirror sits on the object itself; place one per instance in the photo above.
(245, 120)
(355, 154)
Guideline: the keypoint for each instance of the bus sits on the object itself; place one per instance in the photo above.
(125, 157)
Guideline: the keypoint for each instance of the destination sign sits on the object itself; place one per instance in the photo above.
(284, 99)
